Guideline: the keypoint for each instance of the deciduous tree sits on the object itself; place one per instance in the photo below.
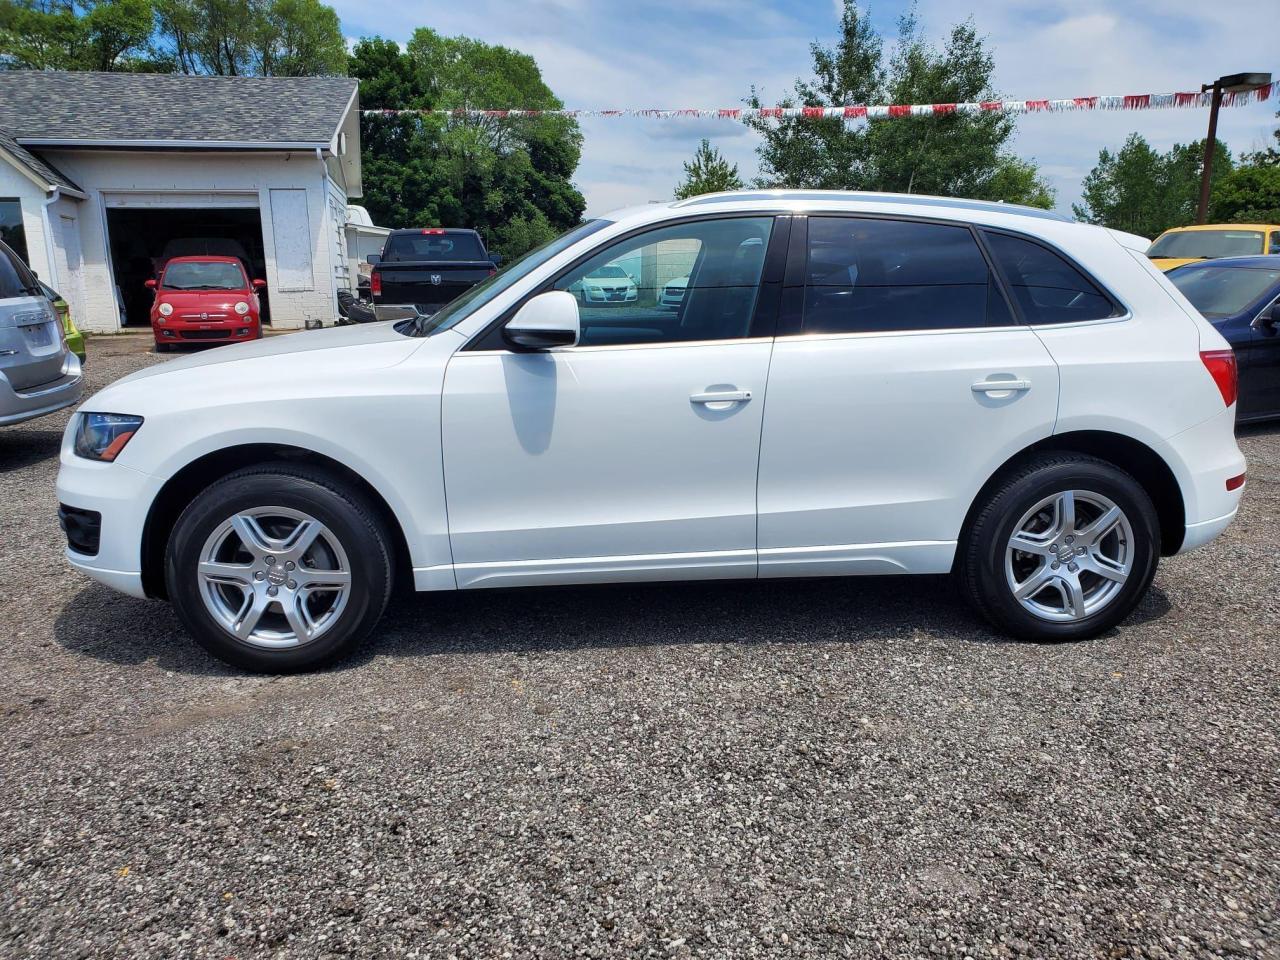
(708, 172)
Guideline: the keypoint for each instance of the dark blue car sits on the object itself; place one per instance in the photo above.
(1241, 297)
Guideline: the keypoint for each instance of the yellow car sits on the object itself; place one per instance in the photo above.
(1209, 241)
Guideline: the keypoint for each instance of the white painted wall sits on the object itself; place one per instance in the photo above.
(104, 173)
(13, 183)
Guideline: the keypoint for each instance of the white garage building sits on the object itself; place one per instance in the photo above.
(100, 172)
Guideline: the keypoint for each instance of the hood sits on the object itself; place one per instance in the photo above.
(1168, 263)
(207, 301)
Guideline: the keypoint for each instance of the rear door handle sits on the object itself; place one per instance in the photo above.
(721, 396)
(1001, 386)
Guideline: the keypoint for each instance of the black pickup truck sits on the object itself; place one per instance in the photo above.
(427, 268)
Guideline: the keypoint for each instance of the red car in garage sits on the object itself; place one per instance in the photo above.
(205, 300)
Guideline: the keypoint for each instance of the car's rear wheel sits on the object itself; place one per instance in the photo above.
(1063, 548)
(279, 568)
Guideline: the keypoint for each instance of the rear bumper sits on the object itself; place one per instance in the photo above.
(1203, 459)
(27, 404)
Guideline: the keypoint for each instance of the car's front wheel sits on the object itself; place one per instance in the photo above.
(1062, 548)
(278, 568)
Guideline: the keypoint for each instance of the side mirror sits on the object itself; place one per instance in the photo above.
(152, 284)
(259, 284)
(495, 259)
(374, 259)
(548, 320)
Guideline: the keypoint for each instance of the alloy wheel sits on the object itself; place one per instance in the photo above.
(1070, 556)
(274, 577)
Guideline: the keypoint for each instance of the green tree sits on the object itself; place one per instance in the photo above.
(509, 178)
(1142, 191)
(75, 34)
(708, 172)
(956, 154)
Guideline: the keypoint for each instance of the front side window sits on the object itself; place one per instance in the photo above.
(689, 281)
(11, 230)
(1047, 288)
(1275, 242)
(209, 275)
(866, 276)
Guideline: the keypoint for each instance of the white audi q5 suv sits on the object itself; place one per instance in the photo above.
(850, 384)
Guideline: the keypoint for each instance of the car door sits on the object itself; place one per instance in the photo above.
(633, 454)
(1260, 366)
(900, 381)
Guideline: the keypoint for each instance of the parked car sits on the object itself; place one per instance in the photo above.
(204, 300)
(1240, 296)
(425, 269)
(74, 338)
(673, 293)
(1208, 241)
(606, 284)
(882, 384)
(38, 372)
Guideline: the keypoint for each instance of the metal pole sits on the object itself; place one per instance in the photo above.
(1206, 168)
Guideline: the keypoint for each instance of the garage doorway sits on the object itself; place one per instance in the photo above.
(142, 235)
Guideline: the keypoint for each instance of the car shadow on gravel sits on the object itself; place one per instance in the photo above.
(22, 447)
(104, 625)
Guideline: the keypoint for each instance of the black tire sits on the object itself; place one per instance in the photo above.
(313, 491)
(981, 559)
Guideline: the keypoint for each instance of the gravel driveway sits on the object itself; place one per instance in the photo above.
(822, 768)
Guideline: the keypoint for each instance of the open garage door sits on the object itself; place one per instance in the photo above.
(145, 229)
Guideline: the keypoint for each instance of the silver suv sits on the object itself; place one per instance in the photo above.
(38, 374)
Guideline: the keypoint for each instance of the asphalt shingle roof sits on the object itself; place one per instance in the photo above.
(41, 168)
(38, 105)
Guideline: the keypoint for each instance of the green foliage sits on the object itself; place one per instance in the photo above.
(708, 172)
(1249, 194)
(220, 37)
(1142, 191)
(75, 34)
(961, 155)
(509, 178)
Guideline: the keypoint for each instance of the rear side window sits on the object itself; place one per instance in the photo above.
(15, 279)
(890, 275)
(1047, 287)
(408, 247)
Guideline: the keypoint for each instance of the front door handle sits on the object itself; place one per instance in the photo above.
(1001, 386)
(721, 396)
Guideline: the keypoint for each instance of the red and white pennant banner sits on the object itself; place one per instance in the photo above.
(1135, 101)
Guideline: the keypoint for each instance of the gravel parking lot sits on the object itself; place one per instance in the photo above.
(823, 768)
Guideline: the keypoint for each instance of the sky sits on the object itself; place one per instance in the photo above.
(709, 53)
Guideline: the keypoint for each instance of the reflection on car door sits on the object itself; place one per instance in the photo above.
(634, 454)
(902, 385)
(1260, 371)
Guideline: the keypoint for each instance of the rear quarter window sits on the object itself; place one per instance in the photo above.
(1046, 286)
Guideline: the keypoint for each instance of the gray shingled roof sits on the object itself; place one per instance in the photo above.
(42, 169)
(40, 106)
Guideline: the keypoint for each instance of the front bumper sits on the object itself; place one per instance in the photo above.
(122, 497)
(19, 405)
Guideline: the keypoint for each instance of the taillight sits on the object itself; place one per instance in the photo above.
(1221, 365)
(375, 283)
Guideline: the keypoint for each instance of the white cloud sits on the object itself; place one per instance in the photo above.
(708, 53)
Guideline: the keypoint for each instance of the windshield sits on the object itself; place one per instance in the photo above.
(485, 291)
(1224, 291)
(410, 247)
(203, 275)
(1207, 244)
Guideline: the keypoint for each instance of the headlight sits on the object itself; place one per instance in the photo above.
(242, 308)
(165, 309)
(101, 436)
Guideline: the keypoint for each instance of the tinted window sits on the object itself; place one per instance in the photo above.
(15, 279)
(207, 275)
(1275, 242)
(884, 275)
(409, 247)
(690, 281)
(1047, 287)
(1224, 291)
(1195, 244)
(11, 229)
